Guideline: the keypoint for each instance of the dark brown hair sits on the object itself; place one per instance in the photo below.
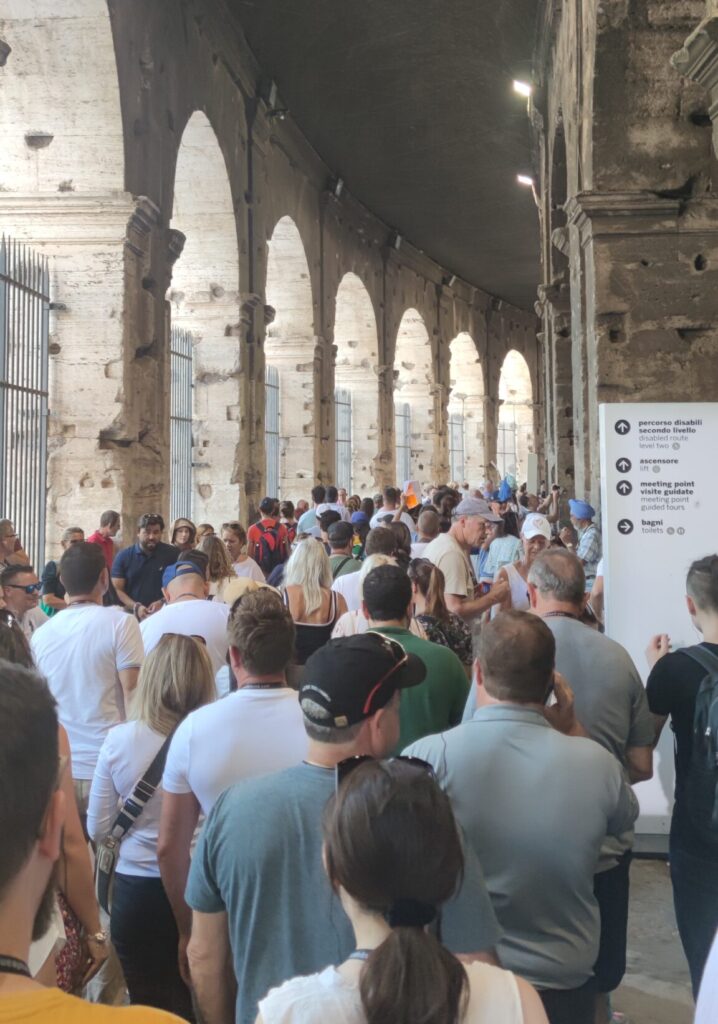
(402, 535)
(262, 630)
(702, 583)
(391, 839)
(517, 654)
(81, 567)
(430, 580)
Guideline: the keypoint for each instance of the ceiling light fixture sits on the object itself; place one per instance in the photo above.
(523, 88)
(523, 179)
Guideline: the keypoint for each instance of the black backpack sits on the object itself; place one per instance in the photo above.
(271, 551)
(701, 788)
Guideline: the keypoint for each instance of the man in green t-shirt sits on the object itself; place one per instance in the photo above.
(342, 561)
(436, 704)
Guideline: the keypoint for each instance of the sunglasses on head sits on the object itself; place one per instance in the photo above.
(151, 519)
(346, 767)
(29, 588)
(401, 658)
(189, 636)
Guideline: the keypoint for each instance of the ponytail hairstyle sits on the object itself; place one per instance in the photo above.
(430, 580)
(391, 842)
(402, 539)
(702, 583)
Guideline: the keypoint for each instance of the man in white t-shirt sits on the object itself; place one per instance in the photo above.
(256, 730)
(387, 512)
(427, 526)
(91, 657)
(450, 553)
(189, 613)
(332, 504)
(20, 589)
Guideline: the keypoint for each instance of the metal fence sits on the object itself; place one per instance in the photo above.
(506, 454)
(456, 447)
(24, 365)
(271, 429)
(343, 437)
(402, 441)
(181, 372)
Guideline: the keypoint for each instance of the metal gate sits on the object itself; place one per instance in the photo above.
(343, 437)
(24, 364)
(181, 371)
(402, 440)
(506, 455)
(456, 447)
(271, 429)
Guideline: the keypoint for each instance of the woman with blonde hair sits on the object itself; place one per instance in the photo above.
(175, 678)
(353, 622)
(313, 605)
(220, 570)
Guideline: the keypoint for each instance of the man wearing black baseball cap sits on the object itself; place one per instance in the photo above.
(341, 536)
(256, 883)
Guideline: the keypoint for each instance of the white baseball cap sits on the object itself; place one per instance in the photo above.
(535, 525)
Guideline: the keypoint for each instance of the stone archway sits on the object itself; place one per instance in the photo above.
(516, 417)
(205, 302)
(355, 337)
(466, 411)
(289, 349)
(414, 394)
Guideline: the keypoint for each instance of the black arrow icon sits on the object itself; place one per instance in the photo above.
(624, 487)
(622, 426)
(625, 526)
(624, 465)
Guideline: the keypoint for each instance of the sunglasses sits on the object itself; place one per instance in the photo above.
(29, 588)
(400, 657)
(151, 519)
(190, 636)
(346, 767)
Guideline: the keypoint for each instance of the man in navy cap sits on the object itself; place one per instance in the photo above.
(188, 612)
(588, 548)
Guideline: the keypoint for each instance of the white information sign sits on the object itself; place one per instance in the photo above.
(659, 499)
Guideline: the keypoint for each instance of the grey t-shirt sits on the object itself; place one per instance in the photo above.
(536, 806)
(259, 859)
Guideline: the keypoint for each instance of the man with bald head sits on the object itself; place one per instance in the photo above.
(536, 800)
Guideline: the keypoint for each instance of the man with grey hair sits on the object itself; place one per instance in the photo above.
(536, 804)
(450, 552)
(256, 882)
(611, 705)
(53, 592)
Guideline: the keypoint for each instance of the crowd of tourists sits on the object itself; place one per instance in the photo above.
(364, 760)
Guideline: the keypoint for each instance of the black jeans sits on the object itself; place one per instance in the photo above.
(571, 1005)
(611, 891)
(144, 934)
(695, 898)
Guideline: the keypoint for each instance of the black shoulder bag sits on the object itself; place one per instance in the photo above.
(108, 850)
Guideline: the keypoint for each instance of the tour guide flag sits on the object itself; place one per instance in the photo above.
(659, 495)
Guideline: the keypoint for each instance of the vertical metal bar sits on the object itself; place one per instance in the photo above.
(3, 376)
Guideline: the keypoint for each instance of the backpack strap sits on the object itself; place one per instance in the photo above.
(705, 658)
(135, 804)
(338, 568)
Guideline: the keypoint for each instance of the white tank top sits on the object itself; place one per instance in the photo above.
(318, 998)
(519, 589)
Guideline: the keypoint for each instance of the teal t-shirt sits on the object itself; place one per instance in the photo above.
(259, 858)
(438, 703)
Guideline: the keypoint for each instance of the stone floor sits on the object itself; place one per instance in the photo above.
(656, 988)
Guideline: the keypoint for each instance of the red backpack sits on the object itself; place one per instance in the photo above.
(270, 550)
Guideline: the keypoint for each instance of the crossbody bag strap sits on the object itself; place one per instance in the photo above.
(135, 804)
(338, 569)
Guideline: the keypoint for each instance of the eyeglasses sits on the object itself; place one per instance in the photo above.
(344, 768)
(29, 588)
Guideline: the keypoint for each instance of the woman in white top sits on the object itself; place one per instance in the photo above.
(176, 678)
(535, 538)
(220, 570)
(353, 622)
(392, 883)
(234, 537)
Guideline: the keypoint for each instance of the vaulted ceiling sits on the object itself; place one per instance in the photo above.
(411, 103)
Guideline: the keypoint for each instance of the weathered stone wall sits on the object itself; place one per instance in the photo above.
(156, 237)
(629, 220)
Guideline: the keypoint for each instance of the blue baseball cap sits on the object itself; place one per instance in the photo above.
(360, 517)
(581, 509)
(180, 569)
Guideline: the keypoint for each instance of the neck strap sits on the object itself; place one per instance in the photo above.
(559, 615)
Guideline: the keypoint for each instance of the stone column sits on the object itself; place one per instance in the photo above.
(384, 462)
(106, 444)
(556, 304)
(650, 285)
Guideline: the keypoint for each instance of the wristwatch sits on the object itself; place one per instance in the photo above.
(99, 937)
